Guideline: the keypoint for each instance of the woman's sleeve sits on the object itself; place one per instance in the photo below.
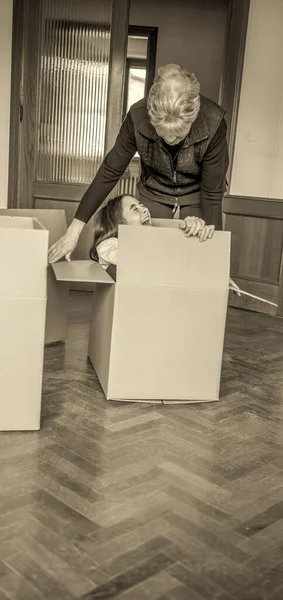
(213, 180)
(110, 171)
(108, 251)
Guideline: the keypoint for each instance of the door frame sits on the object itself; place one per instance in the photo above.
(230, 89)
(16, 102)
(23, 114)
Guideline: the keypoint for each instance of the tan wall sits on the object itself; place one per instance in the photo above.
(5, 61)
(191, 33)
(258, 159)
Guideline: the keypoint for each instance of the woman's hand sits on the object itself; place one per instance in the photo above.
(192, 226)
(63, 247)
(196, 226)
(67, 243)
(206, 233)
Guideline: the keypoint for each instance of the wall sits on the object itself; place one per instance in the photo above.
(190, 33)
(5, 62)
(258, 156)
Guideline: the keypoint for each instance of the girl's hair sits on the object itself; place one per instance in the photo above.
(106, 223)
(173, 99)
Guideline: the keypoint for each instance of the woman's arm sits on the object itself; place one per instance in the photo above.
(109, 173)
(105, 180)
(213, 179)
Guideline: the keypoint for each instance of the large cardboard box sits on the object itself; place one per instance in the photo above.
(57, 293)
(157, 334)
(23, 266)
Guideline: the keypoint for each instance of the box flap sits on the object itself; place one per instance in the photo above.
(172, 223)
(163, 256)
(83, 271)
(23, 258)
(37, 225)
(9, 222)
(54, 220)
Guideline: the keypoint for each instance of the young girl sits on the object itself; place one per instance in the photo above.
(126, 210)
(123, 209)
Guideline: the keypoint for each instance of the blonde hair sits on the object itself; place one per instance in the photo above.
(173, 99)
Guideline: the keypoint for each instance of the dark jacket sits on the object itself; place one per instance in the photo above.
(200, 169)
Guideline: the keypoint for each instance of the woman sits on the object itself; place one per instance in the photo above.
(181, 140)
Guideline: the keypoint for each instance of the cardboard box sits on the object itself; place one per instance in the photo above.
(57, 293)
(157, 334)
(23, 266)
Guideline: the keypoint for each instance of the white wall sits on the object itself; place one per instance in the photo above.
(191, 33)
(5, 78)
(258, 159)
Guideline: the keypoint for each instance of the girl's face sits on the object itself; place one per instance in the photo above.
(134, 213)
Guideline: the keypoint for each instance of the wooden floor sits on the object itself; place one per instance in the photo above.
(138, 502)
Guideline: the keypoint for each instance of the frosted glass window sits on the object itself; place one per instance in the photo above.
(73, 98)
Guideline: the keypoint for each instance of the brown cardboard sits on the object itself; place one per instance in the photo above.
(166, 258)
(100, 338)
(157, 334)
(23, 266)
(86, 271)
(58, 293)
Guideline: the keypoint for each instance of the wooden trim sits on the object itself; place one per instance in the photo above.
(126, 85)
(280, 291)
(117, 70)
(16, 101)
(28, 131)
(258, 288)
(226, 46)
(138, 63)
(69, 192)
(263, 208)
(236, 33)
(151, 57)
(73, 192)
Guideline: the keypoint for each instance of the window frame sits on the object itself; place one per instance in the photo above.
(147, 63)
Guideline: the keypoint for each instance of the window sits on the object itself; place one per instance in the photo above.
(72, 101)
(73, 95)
(136, 84)
(141, 55)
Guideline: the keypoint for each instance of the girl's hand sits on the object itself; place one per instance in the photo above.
(206, 233)
(192, 226)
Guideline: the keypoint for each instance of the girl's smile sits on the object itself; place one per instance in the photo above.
(134, 213)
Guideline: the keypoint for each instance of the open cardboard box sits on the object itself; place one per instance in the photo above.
(157, 334)
(57, 293)
(23, 266)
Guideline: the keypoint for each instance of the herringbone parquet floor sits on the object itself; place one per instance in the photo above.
(136, 502)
